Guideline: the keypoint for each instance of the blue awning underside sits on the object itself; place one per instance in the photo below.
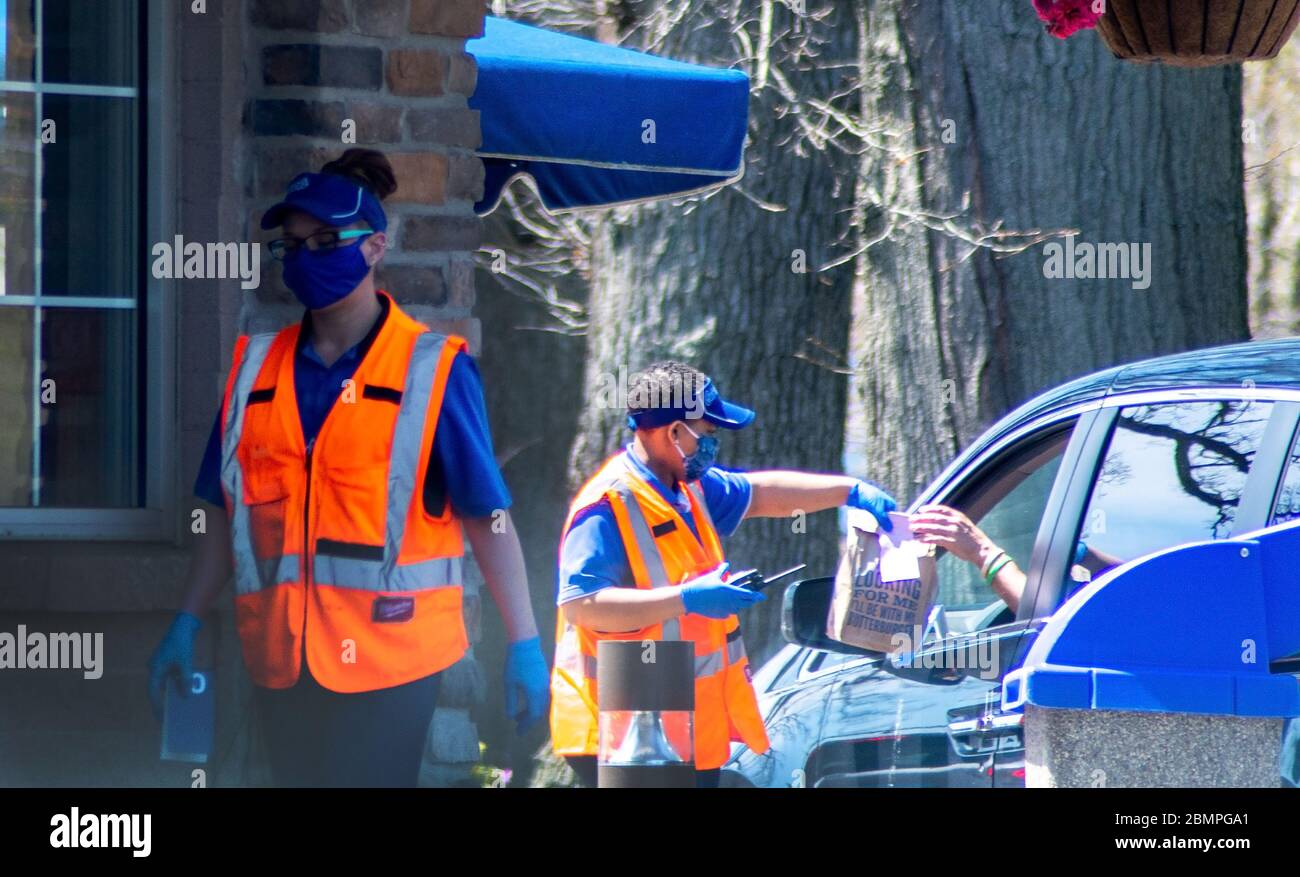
(596, 125)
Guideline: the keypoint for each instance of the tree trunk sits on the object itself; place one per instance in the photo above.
(730, 286)
(1042, 133)
(1271, 131)
(532, 381)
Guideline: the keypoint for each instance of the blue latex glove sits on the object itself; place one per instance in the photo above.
(174, 656)
(527, 675)
(867, 496)
(710, 596)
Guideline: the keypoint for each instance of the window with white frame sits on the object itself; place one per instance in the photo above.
(72, 285)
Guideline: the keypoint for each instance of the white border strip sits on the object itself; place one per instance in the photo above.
(89, 302)
(649, 199)
(614, 165)
(12, 85)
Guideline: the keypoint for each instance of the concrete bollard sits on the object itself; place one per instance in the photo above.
(646, 692)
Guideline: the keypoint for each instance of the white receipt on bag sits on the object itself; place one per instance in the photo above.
(900, 554)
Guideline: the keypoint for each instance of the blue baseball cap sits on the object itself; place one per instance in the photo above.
(708, 405)
(331, 198)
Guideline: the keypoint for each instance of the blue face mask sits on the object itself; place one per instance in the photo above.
(319, 278)
(706, 453)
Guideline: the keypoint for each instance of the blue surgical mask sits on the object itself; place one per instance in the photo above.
(319, 278)
(706, 452)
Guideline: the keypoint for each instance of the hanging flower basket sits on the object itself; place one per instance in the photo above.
(1184, 33)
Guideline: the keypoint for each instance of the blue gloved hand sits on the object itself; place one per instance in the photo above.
(867, 496)
(527, 675)
(710, 596)
(174, 656)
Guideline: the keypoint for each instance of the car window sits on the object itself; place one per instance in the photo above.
(1008, 506)
(1287, 506)
(1172, 473)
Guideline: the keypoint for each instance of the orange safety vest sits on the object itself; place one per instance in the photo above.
(335, 556)
(662, 551)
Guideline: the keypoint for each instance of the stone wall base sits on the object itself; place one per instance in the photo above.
(1105, 748)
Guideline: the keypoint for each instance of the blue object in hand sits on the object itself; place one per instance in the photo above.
(867, 496)
(710, 596)
(174, 656)
(527, 676)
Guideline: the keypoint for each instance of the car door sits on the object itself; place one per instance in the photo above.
(1170, 468)
(1138, 474)
(792, 690)
(1192, 466)
(885, 726)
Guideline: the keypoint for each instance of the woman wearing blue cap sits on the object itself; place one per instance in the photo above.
(351, 453)
(641, 558)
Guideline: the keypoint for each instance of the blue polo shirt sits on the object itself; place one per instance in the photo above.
(462, 465)
(592, 556)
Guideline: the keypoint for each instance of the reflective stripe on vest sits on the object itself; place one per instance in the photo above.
(348, 570)
(705, 665)
(251, 574)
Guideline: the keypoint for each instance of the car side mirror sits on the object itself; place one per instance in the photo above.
(803, 617)
(947, 660)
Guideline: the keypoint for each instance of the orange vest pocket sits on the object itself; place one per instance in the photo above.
(269, 622)
(350, 651)
(353, 502)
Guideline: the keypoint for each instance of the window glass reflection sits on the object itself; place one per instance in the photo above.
(1287, 507)
(1173, 473)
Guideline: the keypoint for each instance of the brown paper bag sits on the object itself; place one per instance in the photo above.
(869, 613)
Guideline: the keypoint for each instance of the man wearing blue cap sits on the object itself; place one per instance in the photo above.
(640, 558)
(350, 458)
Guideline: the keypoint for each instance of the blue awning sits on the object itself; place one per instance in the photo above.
(596, 125)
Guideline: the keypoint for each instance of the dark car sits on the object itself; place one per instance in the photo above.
(1131, 460)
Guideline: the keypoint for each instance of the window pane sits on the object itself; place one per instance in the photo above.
(91, 43)
(1288, 495)
(89, 185)
(1012, 523)
(16, 383)
(17, 191)
(17, 40)
(1173, 473)
(88, 423)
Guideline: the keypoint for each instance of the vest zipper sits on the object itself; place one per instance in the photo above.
(306, 555)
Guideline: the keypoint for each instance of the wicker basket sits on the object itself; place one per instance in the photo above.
(1198, 33)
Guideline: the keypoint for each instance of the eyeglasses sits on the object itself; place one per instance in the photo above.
(321, 240)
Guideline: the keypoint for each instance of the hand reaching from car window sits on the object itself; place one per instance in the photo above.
(947, 528)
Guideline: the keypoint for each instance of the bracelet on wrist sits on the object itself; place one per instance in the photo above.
(997, 568)
(988, 564)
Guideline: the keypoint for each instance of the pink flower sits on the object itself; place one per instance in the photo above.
(1064, 17)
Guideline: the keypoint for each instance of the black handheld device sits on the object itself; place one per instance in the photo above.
(754, 580)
